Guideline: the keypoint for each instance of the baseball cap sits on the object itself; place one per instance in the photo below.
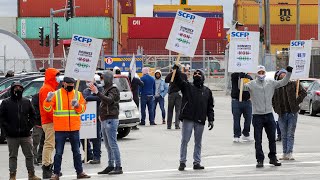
(68, 80)
(261, 68)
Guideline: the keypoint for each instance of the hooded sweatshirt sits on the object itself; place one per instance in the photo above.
(50, 85)
(110, 98)
(261, 93)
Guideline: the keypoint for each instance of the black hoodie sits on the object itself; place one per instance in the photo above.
(16, 115)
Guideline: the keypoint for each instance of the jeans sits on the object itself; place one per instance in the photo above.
(37, 136)
(174, 101)
(147, 101)
(288, 123)
(159, 100)
(48, 146)
(267, 122)
(26, 146)
(239, 108)
(94, 151)
(109, 133)
(187, 127)
(74, 138)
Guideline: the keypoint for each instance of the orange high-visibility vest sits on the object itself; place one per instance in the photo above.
(65, 117)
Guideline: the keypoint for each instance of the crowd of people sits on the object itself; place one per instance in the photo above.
(53, 115)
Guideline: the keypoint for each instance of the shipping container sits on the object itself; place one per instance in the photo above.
(159, 28)
(157, 46)
(189, 8)
(279, 14)
(41, 8)
(128, 6)
(202, 14)
(250, 2)
(124, 40)
(98, 27)
(124, 22)
(8, 24)
(283, 34)
(278, 47)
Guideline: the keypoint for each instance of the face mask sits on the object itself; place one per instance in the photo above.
(88, 84)
(69, 88)
(58, 79)
(102, 83)
(18, 94)
(261, 77)
(197, 81)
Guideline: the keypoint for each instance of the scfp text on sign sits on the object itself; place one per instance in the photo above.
(82, 39)
(297, 43)
(239, 34)
(88, 117)
(186, 15)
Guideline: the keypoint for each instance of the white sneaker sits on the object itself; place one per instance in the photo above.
(246, 138)
(290, 157)
(284, 157)
(236, 140)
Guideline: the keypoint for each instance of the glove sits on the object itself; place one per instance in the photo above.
(210, 125)
(49, 96)
(75, 103)
(93, 89)
(289, 68)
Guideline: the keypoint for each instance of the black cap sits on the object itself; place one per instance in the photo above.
(68, 80)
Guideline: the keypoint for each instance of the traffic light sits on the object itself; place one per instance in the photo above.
(70, 11)
(41, 36)
(261, 34)
(56, 35)
(47, 40)
(183, 2)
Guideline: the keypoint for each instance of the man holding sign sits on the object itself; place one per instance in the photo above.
(261, 91)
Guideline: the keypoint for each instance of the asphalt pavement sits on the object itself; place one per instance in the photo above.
(153, 153)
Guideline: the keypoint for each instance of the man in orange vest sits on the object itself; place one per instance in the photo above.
(67, 106)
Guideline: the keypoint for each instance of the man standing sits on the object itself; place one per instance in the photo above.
(147, 96)
(197, 105)
(161, 92)
(17, 119)
(109, 114)
(240, 108)
(286, 104)
(67, 106)
(174, 100)
(51, 83)
(135, 84)
(261, 91)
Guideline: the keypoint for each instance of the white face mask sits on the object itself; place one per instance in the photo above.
(57, 79)
(261, 77)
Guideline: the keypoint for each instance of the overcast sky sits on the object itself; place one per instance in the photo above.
(8, 8)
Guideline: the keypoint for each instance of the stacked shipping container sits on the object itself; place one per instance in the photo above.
(152, 33)
(128, 10)
(282, 19)
(93, 18)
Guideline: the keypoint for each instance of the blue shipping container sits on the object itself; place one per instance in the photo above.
(202, 14)
(123, 62)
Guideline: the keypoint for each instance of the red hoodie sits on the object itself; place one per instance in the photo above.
(50, 85)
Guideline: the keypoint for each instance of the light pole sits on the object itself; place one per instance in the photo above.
(298, 21)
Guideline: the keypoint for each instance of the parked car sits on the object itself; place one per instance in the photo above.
(305, 83)
(311, 102)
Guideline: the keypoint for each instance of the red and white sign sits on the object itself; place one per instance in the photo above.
(109, 60)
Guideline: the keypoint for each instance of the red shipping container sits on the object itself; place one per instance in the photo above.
(157, 46)
(41, 8)
(283, 34)
(159, 28)
(128, 6)
(124, 40)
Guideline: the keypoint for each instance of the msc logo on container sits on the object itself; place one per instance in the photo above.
(240, 34)
(297, 43)
(82, 39)
(285, 14)
(187, 15)
(88, 117)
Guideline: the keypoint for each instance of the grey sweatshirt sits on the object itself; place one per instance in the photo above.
(261, 93)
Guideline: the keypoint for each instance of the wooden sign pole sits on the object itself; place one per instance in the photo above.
(241, 90)
(174, 71)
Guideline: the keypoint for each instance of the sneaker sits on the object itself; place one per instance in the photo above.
(259, 164)
(83, 176)
(163, 122)
(275, 162)
(198, 167)
(106, 170)
(153, 124)
(116, 170)
(290, 157)
(182, 166)
(284, 157)
(55, 177)
(236, 140)
(94, 162)
(246, 138)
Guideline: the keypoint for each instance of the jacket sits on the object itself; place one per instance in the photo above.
(284, 99)
(235, 91)
(88, 96)
(261, 93)
(197, 102)
(149, 88)
(50, 85)
(135, 84)
(110, 98)
(35, 103)
(65, 117)
(16, 115)
(163, 88)
(173, 87)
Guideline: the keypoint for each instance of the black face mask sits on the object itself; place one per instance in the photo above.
(69, 88)
(197, 81)
(18, 94)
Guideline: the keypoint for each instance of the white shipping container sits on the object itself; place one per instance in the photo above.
(9, 24)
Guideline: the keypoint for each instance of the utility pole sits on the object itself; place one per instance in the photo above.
(298, 21)
(204, 55)
(115, 27)
(267, 31)
(261, 27)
